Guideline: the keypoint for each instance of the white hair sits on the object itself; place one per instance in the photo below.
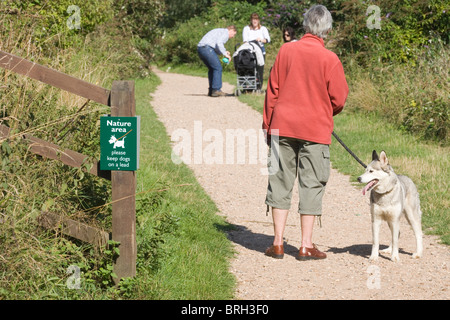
(318, 21)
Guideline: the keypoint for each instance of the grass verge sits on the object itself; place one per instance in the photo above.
(181, 241)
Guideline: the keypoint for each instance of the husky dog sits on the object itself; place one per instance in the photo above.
(390, 196)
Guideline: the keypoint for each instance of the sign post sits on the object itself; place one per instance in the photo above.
(123, 182)
(119, 143)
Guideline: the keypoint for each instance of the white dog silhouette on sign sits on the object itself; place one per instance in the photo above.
(116, 142)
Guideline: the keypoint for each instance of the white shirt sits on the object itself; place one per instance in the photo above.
(250, 35)
(216, 39)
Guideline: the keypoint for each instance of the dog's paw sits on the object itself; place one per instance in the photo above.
(395, 258)
(417, 255)
(373, 258)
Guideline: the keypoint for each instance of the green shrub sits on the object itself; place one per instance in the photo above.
(57, 20)
(182, 10)
(414, 98)
(179, 45)
(429, 120)
(287, 13)
(405, 27)
(142, 19)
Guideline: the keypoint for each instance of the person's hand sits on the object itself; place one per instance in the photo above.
(267, 137)
(227, 54)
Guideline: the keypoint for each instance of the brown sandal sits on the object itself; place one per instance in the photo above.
(276, 252)
(310, 254)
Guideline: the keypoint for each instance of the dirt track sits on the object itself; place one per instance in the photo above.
(239, 192)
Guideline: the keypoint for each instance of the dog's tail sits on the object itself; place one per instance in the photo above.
(419, 210)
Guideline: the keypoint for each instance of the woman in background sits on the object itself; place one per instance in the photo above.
(289, 35)
(256, 32)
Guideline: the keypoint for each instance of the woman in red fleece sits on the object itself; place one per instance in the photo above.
(306, 88)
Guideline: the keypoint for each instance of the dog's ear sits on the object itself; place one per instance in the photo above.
(375, 156)
(383, 159)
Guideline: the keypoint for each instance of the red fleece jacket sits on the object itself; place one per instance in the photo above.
(306, 88)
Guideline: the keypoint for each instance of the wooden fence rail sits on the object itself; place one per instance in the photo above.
(121, 99)
(53, 151)
(54, 78)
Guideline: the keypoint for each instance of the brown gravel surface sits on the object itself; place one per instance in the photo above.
(181, 102)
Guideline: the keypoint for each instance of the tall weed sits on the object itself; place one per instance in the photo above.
(415, 98)
(34, 261)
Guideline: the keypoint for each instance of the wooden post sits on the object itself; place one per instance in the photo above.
(124, 190)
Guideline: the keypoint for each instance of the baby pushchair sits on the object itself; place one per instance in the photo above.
(248, 60)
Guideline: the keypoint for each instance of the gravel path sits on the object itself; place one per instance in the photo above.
(239, 192)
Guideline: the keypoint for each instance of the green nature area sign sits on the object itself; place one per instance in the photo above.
(119, 143)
